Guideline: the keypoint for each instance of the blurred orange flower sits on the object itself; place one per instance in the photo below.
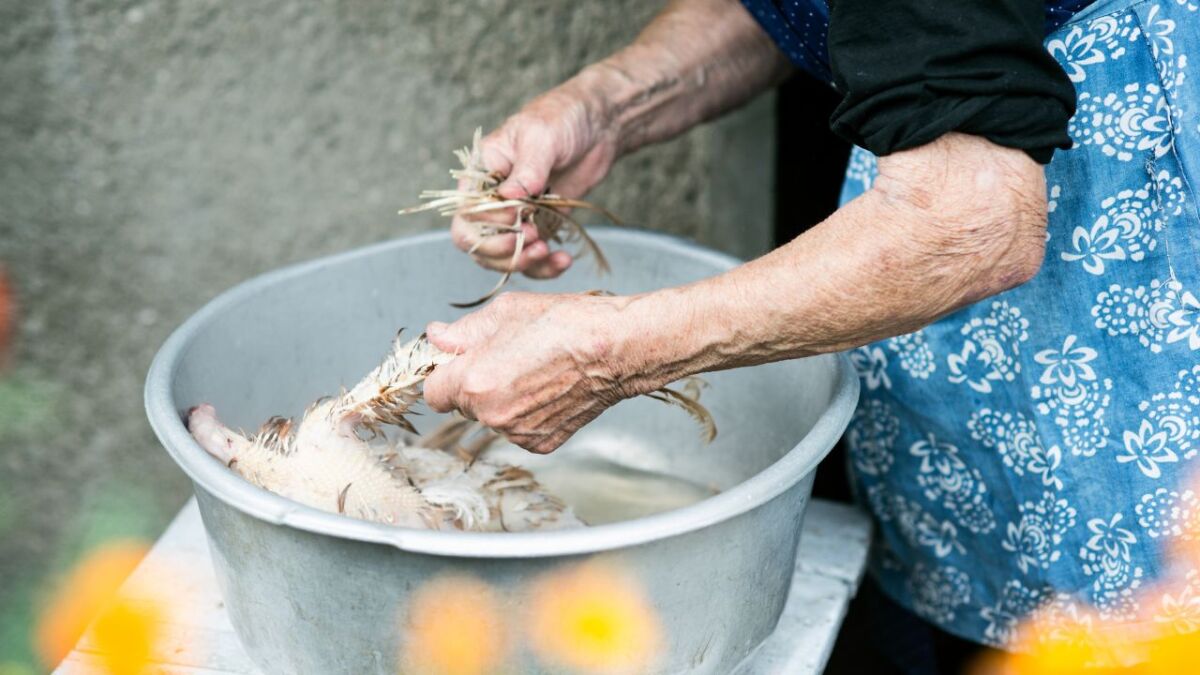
(123, 633)
(7, 315)
(454, 628)
(593, 618)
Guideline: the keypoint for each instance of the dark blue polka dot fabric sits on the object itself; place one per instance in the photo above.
(799, 27)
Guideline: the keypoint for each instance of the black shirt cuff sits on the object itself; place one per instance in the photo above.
(913, 70)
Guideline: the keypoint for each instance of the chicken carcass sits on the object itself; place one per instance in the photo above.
(337, 458)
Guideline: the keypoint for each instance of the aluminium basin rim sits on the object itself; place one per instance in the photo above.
(210, 475)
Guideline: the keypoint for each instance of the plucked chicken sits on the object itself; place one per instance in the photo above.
(339, 458)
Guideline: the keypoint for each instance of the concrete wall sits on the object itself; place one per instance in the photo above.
(155, 153)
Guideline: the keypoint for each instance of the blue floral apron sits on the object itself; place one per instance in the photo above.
(1035, 452)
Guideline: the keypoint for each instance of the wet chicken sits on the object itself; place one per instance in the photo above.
(339, 458)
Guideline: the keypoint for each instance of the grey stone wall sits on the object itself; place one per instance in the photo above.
(154, 153)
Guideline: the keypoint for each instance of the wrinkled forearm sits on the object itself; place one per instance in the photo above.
(945, 226)
(695, 60)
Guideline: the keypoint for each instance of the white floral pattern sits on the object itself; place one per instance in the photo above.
(947, 480)
(1100, 41)
(1163, 314)
(938, 592)
(1183, 321)
(1129, 226)
(1106, 556)
(916, 356)
(1169, 62)
(1071, 394)
(1016, 602)
(1016, 439)
(862, 168)
(915, 524)
(1127, 123)
(1121, 124)
(1147, 449)
(1066, 366)
(1169, 430)
(990, 354)
(871, 437)
(1168, 513)
(871, 364)
(1181, 608)
(1035, 536)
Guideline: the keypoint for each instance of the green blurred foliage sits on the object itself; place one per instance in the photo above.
(15, 668)
(115, 510)
(26, 405)
(16, 619)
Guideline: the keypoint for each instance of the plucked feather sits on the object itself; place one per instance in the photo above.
(547, 212)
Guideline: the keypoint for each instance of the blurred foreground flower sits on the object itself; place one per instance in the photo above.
(454, 628)
(1049, 645)
(125, 634)
(1159, 635)
(123, 631)
(593, 618)
(7, 315)
(1137, 649)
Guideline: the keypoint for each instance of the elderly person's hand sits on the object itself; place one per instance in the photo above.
(697, 59)
(535, 367)
(562, 139)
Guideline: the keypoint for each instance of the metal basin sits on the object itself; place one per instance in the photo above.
(314, 592)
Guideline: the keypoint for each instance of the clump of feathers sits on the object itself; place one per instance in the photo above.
(547, 212)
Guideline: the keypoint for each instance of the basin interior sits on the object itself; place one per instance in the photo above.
(275, 344)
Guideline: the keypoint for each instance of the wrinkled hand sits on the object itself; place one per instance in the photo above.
(559, 141)
(535, 367)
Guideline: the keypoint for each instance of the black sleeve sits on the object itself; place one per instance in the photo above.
(912, 70)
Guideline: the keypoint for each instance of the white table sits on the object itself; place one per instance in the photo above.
(200, 640)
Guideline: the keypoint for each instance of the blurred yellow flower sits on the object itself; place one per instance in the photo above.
(88, 592)
(1095, 647)
(593, 618)
(1159, 641)
(1054, 657)
(1172, 654)
(454, 627)
(1048, 645)
(125, 634)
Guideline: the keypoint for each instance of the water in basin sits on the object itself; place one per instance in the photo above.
(603, 490)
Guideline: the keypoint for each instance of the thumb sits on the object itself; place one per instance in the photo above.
(441, 388)
(462, 335)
